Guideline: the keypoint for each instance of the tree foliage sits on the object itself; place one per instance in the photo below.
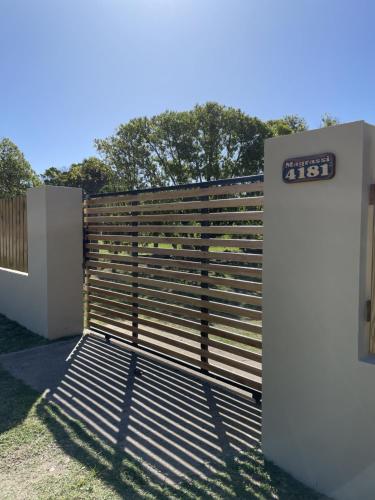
(92, 175)
(209, 142)
(289, 124)
(328, 120)
(206, 143)
(16, 174)
(295, 123)
(54, 177)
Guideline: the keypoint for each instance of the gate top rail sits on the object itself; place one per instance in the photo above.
(180, 187)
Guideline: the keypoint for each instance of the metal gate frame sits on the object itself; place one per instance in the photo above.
(122, 281)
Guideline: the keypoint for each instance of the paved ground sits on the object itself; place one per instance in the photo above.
(179, 426)
(40, 367)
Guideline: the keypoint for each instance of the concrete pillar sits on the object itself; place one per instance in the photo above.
(319, 379)
(48, 298)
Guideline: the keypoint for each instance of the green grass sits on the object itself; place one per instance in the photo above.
(44, 454)
(14, 337)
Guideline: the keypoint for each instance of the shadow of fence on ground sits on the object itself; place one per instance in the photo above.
(173, 428)
(13, 414)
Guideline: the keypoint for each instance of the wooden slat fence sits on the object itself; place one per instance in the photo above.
(179, 272)
(13, 233)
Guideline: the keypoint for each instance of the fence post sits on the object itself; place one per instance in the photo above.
(57, 256)
(47, 298)
(318, 376)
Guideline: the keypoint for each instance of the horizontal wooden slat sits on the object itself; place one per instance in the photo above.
(193, 277)
(254, 383)
(220, 348)
(114, 309)
(108, 315)
(181, 193)
(171, 297)
(169, 362)
(172, 286)
(224, 229)
(221, 217)
(238, 351)
(235, 337)
(105, 314)
(193, 254)
(253, 201)
(227, 359)
(179, 264)
(98, 295)
(198, 242)
(249, 380)
(245, 367)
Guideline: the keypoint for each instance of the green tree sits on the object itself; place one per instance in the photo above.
(328, 120)
(289, 124)
(295, 123)
(92, 175)
(16, 174)
(54, 177)
(206, 143)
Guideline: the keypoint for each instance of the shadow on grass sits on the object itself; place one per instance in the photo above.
(15, 337)
(149, 431)
(16, 401)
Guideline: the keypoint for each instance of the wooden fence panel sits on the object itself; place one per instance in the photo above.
(179, 272)
(13, 233)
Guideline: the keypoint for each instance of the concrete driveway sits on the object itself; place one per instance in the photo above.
(177, 425)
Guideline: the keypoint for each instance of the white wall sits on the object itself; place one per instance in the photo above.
(48, 299)
(318, 380)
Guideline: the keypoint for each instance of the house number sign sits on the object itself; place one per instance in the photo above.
(309, 168)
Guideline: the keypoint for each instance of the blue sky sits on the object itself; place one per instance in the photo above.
(73, 70)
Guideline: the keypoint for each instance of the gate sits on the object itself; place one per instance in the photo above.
(177, 272)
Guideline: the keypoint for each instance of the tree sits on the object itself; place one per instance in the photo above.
(289, 124)
(295, 123)
(328, 120)
(16, 174)
(209, 142)
(92, 175)
(54, 177)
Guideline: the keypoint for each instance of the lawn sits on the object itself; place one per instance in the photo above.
(14, 337)
(44, 454)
